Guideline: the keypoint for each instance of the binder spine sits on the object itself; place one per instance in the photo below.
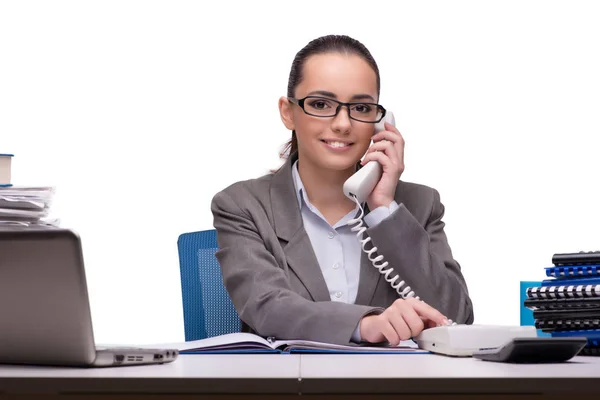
(594, 280)
(590, 350)
(591, 334)
(563, 291)
(567, 303)
(567, 324)
(592, 347)
(580, 304)
(572, 271)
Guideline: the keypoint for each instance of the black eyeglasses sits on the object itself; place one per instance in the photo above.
(325, 107)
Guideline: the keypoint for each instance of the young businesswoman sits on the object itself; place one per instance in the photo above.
(291, 264)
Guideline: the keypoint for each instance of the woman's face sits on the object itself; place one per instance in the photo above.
(334, 143)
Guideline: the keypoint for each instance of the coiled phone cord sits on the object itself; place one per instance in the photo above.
(396, 282)
(397, 286)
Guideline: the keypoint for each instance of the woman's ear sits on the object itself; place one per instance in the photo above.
(286, 113)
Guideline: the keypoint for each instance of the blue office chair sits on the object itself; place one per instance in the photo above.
(207, 308)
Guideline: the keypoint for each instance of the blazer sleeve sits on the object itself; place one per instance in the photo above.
(260, 290)
(421, 256)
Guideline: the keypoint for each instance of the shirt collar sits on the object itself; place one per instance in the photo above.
(300, 192)
(306, 205)
(299, 186)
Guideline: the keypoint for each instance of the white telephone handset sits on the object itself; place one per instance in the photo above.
(357, 188)
(362, 183)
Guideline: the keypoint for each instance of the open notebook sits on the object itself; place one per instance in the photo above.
(237, 343)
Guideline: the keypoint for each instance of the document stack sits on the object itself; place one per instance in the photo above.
(5, 165)
(567, 304)
(22, 206)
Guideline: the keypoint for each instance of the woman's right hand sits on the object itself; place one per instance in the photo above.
(402, 320)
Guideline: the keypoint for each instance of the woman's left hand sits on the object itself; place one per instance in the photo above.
(388, 150)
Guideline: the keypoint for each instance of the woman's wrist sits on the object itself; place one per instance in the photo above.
(376, 203)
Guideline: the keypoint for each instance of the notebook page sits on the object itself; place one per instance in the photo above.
(239, 340)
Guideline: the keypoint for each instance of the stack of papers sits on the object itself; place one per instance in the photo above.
(26, 206)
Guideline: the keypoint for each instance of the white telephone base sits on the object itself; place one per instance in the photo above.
(463, 340)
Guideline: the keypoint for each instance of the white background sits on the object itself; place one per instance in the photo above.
(138, 112)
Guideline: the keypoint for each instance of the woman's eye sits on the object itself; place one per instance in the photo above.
(363, 108)
(318, 104)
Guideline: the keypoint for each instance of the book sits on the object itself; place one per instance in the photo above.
(5, 169)
(242, 342)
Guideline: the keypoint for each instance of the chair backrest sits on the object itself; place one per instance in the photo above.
(207, 308)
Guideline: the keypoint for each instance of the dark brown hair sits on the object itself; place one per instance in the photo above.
(325, 44)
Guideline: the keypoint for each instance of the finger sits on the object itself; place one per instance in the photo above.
(431, 324)
(390, 127)
(399, 324)
(379, 156)
(387, 135)
(388, 148)
(425, 310)
(413, 321)
(392, 135)
(385, 146)
(397, 140)
(388, 331)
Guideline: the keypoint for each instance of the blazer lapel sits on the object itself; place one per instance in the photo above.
(288, 226)
(369, 277)
(301, 258)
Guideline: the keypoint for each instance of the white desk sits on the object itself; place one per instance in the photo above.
(189, 374)
(314, 376)
(425, 374)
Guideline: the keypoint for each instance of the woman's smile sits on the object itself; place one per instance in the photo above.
(337, 145)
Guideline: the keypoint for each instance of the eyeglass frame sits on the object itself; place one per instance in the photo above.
(300, 103)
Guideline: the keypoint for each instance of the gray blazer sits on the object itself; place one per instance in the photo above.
(273, 277)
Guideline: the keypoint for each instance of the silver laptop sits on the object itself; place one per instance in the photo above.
(44, 307)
